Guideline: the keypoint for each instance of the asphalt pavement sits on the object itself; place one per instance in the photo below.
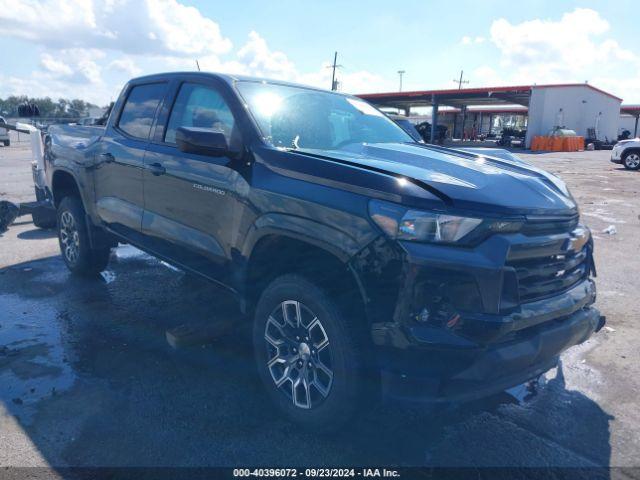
(88, 379)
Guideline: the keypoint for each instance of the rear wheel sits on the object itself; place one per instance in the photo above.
(73, 237)
(308, 356)
(631, 160)
(7, 143)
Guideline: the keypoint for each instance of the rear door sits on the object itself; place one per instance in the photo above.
(120, 159)
(192, 201)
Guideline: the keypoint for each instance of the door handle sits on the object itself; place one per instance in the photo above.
(156, 169)
(107, 158)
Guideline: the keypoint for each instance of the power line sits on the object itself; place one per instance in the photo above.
(460, 81)
(334, 82)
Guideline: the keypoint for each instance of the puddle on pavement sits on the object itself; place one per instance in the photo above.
(129, 251)
(33, 362)
(33, 355)
(108, 276)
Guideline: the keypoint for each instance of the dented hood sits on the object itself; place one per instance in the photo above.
(467, 181)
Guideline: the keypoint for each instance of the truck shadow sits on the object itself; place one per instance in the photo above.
(91, 380)
(37, 234)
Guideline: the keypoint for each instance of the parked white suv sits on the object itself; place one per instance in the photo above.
(4, 134)
(627, 152)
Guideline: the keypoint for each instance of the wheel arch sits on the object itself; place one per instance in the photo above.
(271, 252)
(63, 184)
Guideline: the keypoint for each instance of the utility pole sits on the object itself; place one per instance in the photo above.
(400, 73)
(334, 83)
(460, 81)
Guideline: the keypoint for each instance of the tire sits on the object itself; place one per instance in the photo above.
(73, 238)
(326, 365)
(7, 143)
(631, 160)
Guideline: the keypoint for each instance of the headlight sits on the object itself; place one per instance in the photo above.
(420, 226)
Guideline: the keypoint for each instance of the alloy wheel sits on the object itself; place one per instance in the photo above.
(298, 354)
(69, 238)
(632, 160)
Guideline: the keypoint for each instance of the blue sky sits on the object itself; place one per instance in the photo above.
(89, 49)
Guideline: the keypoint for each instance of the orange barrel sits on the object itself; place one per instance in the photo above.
(548, 144)
(535, 142)
(560, 144)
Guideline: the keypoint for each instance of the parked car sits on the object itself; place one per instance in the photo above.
(4, 134)
(424, 129)
(368, 263)
(627, 153)
(407, 126)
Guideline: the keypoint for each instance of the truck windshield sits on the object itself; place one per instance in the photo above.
(296, 117)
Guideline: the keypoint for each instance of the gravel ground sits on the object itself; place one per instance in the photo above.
(87, 378)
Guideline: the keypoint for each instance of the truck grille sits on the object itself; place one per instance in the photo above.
(543, 276)
(545, 225)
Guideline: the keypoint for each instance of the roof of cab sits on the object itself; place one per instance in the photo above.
(228, 78)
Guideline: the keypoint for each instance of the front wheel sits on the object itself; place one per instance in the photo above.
(73, 238)
(308, 354)
(631, 160)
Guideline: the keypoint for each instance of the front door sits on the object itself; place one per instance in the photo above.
(119, 162)
(191, 201)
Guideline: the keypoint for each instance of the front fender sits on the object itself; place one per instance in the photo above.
(335, 241)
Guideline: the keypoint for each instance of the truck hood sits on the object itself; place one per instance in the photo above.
(466, 181)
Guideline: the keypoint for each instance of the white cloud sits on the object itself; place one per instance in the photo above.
(82, 41)
(548, 50)
(55, 67)
(129, 26)
(125, 65)
(262, 61)
(74, 65)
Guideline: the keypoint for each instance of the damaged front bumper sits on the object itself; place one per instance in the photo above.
(439, 366)
(469, 323)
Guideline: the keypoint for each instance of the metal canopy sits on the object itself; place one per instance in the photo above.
(515, 95)
(633, 110)
(454, 98)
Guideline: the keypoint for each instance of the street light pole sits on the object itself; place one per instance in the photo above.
(400, 74)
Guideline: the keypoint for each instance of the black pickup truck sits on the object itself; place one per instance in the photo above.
(369, 264)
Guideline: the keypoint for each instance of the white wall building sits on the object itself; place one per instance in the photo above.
(577, 107)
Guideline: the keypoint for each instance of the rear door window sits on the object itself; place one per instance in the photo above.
(140, 108)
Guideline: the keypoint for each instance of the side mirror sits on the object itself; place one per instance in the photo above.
(202, 141)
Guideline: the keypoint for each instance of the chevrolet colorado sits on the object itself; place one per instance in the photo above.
(368, 263)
